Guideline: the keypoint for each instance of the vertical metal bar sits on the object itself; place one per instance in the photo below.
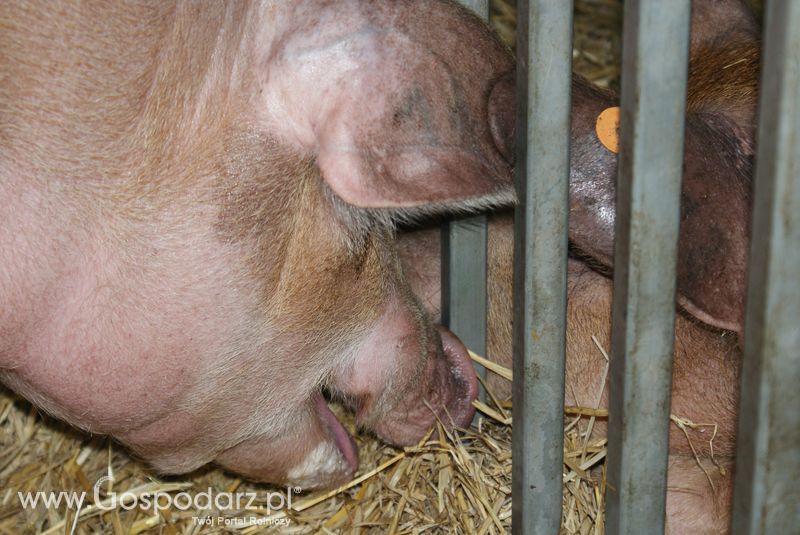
(767, 492)
(464, 284)
(544, 74)
(654, 70)
(464, 268)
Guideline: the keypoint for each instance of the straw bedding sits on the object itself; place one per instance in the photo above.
(456, 484)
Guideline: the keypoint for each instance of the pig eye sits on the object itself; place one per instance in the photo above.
(358, 225)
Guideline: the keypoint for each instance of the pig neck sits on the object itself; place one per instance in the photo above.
(116, 78)
(163, 130)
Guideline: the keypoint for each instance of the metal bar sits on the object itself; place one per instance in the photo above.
(480, 7)
(464, 268)
(464, 284)
(544, 70)
(767, 492)
(648, 192)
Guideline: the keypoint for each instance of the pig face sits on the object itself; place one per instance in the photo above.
(198, 211)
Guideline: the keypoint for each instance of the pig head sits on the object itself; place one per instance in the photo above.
(198, 207)
(718, 160)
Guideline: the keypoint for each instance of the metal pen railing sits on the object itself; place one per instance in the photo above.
(767, 492)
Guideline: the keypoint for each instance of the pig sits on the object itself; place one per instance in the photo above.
(198, 206)
(713, 242)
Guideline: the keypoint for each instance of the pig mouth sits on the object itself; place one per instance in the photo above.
(341, 438)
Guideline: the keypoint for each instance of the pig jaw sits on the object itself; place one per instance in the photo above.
(406, 375)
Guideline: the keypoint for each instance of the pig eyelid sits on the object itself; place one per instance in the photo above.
(357, 224)
(360, 221)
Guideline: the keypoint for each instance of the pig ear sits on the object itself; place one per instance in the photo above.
(433, 139)
(717, 183)
(593, 171)
(715, 214)
(402, 104)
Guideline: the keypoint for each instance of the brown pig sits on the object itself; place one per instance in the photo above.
(711, 265)
(197, 206)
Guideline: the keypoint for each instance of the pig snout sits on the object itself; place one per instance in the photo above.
(463, 373)
(444, 391)
(406, 375)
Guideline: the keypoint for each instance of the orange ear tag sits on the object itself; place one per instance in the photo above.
(607, 128)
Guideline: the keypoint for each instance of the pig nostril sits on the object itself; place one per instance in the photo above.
(463, 373)
(502, 117)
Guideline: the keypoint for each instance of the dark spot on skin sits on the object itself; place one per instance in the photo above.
(415, 112)
(688, 205)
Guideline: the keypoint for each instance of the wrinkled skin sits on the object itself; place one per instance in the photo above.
(712, 247)
(197, 208)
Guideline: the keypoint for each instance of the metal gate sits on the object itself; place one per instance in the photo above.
(767, 492)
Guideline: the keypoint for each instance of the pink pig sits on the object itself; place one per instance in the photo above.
(198, 206)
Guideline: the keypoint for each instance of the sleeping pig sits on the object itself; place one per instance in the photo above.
(197, 205)
(714, 237)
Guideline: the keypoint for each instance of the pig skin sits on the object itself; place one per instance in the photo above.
(197, 207)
